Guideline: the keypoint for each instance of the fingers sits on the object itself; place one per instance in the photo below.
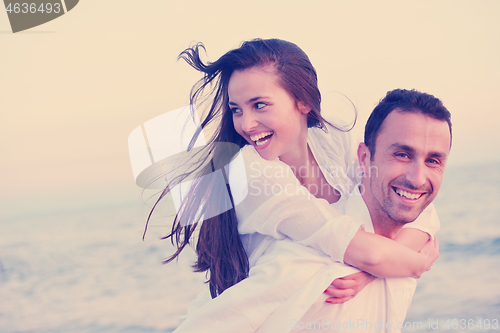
(431, 250)
(435, 249)
(339, 293)
(343, 284)
(334, 300)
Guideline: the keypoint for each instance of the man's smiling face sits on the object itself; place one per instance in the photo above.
(406, 171)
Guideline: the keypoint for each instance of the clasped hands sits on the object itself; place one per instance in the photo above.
(345, 288)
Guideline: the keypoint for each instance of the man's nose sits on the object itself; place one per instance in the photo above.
(417, 174)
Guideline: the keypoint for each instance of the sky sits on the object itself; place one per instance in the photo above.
(73, 89)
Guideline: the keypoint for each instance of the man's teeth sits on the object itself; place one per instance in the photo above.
(257, 137)
(407, 195)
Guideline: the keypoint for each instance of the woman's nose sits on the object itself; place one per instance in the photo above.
(248, 121)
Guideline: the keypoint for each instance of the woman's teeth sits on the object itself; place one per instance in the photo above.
(260, 143)
(258, 138)
(407, 195)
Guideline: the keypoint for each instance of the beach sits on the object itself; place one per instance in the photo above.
(88, 270)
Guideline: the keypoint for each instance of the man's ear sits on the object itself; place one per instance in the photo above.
(364, 157)
(303, 107)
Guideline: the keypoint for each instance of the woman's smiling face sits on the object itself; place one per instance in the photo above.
(266, 115)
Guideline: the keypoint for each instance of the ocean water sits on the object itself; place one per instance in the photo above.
(89, 271)
(462, 289)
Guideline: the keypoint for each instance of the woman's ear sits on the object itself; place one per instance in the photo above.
(303, 107)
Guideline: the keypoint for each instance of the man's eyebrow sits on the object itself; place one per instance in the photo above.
(399, 146)
(437, 154)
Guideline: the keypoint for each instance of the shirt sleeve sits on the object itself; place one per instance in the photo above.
(200, 300)
(428, 221)
(276, 204)
(336, 153)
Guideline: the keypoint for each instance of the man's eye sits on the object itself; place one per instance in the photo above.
(402, 155)
(433, 161)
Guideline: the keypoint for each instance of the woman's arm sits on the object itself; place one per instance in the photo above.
(345, 288)
(414, 239)
(277, 205)
(417, 236)
(384, 257)
(274, 203)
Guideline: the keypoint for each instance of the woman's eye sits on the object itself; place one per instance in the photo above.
(260, 105)
(235, 110)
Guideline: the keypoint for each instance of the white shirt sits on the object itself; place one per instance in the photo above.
(274, 227)
(380, 307)
(277, 206)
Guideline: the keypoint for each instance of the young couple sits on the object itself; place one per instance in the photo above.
(275, 260)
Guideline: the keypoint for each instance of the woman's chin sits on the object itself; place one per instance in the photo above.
(267, 155)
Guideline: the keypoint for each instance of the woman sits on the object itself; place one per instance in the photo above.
(266, 96)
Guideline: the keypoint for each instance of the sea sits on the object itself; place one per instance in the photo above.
(88, 269)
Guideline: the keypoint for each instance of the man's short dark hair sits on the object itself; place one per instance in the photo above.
(405, 101)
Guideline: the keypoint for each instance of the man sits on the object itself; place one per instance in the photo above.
(407, 142)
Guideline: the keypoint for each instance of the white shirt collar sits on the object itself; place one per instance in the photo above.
(356, 208)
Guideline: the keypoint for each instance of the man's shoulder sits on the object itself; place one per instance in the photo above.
(356, 207)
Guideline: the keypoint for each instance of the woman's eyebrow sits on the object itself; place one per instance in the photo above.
(251, 100)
